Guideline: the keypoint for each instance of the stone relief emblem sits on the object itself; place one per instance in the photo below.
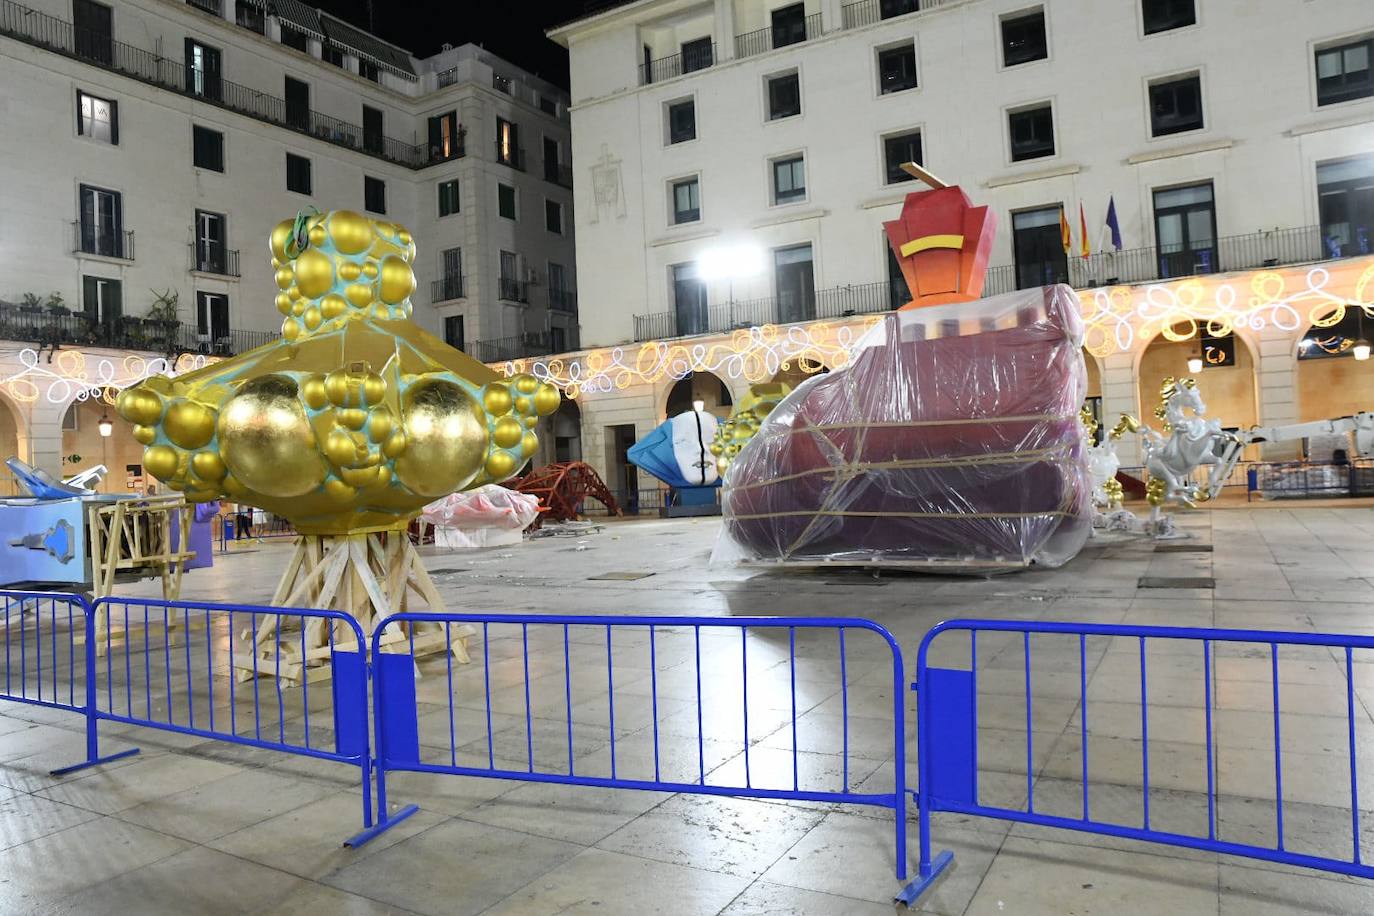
(607, 186)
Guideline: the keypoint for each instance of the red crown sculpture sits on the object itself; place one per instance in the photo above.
(942, 243)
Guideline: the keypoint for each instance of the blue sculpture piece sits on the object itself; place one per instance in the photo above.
(678, 452)
(43, 533)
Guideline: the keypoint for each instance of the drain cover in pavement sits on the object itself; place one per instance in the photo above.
(445, 572)
(1183, 548)
(619, 576)
(1177, 582)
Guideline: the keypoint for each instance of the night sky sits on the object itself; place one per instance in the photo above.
(514, 29)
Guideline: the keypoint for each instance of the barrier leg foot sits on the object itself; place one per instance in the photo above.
(94, 762)
(380, 827)
(915, 889)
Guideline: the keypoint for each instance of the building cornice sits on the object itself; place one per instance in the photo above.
(1174, 152)
(1060, 171)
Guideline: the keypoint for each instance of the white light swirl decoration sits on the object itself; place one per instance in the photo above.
(73, 375)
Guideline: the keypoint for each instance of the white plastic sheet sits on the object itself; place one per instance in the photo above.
(483, 517)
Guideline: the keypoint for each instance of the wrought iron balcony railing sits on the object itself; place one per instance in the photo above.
(447, 288)
(514, 290)
(211, 259)
(109, 243)
(562, 300)
(696, 57)
(778, 36)
(558, 173)
(57, 327)
(533, 343)
(512, 156)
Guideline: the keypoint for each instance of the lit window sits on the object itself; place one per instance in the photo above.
(97, 118)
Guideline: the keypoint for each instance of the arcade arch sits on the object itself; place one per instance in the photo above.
(1228, 388)
(84, 447)
(707, 387)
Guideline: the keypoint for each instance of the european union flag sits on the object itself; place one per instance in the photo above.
(1113, 224)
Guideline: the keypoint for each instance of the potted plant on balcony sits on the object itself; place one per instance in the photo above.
(160, 322)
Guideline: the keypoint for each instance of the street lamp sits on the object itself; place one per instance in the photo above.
(729, 263)
(698, 405)
(1361, 348)
(105, 425)
(1195, 364)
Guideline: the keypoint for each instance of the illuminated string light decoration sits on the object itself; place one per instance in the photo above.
(74, 375)
(1116, 317)
(753, 354)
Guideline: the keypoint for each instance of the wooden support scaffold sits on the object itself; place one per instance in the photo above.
(367, 575)
(136, 538)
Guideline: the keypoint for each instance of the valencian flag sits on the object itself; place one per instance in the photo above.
(1084, 249)
(1065, 235)
(1112, 224)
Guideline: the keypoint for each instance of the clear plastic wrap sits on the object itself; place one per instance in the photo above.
(950, 441)
(488, 516)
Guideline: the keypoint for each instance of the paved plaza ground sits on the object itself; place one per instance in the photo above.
(195, 826)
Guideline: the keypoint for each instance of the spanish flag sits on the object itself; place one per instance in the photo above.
(1085, 250)
(1064, 234)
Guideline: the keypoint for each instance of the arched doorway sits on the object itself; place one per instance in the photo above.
(9, 445)
(83, 446)
(565, 431)
(706, 387)
(1226, 380)
(1331, 382)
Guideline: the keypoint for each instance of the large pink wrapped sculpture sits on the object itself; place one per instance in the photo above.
(950, 441)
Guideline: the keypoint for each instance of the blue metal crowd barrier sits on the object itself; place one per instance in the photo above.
(948, 730)
(398, 740)
(158, 674)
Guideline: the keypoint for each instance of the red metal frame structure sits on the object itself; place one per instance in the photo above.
(562, 488)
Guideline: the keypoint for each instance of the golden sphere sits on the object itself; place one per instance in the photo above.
(398, 281)
(338, 491)
(507, 432)
(360, 477)
(349, 271)
(189, 425)
(395, 444)
(281, 232)
(267, 441)
(351, 232)
(284, 277)
(340, 449)
(716, 449)
(283, 303)
(332, 306)
(529, 443)
(316, 235)
(145, 435)
(379, 423)
(312, 318)
(312, 389)
(314, 273)
(360, 294)
(290, 329)
(208, 466)
(546, 399)
(352, 417)
(497, 400)
(139, 406)
(523, 405)
(446, 437)
(160, 461)
(526, 384)
(374, 388)
(531, 422)
(500, 465)
(232, 486)
(370, 270)
(336, 387)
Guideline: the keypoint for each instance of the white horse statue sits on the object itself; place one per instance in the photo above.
(1192, 441)
(1103, 463)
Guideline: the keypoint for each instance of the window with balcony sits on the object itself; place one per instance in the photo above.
(295, 38)
(689, 299)
(1032, 132)
(789, 25)
(890, 8)
(1037, 243)
(1023, 37)
(374, 194)
(92, 30)
(1175, 105)
(505, 201)
(1345, 72)
(686, 201)
(97, 118)
(373, 134)
(102, 300)
(682, 121)
(789, 180)
(297, 174)
(207, 148)
(332, 54)
(448, 197)
(1163, 15)
(697, 54)
(784, 95)
(203, 70)
(507, 143)
(553, 163)
(450, 282)
(297, 104)
(368, 70)
(211, 248)
(897, 68)
(553, 216)
(102, 221)
(445, 141)
(512, 288)
(1345, 203)
(560, 292)
(548, 105)
(1186, 230)
(453, 331)
(794, 279)
(212, 317)
(900, 148)
(253, 18)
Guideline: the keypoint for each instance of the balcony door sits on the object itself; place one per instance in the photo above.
(212, 317)
(102, 221)
(789, 25)
(297, 104)
(203, 70)
(1186, 230)
(210, 238)
(689, 300)
(101, 301)
(1038, 247)
(91, 23)
(794, 277)
(1345, 201)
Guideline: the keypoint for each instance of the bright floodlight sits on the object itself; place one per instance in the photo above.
(105, 426)
(1195, 364)
(699, 405)
(1361, 350)
(730, 262)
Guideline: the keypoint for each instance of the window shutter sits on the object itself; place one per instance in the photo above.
(89, 297)
(80, 124)
(114, 123)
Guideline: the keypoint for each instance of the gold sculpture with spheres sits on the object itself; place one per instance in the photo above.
(348, 425)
